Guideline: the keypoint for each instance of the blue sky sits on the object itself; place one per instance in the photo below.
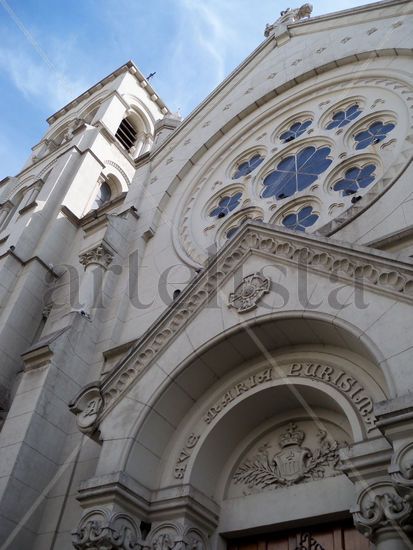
(53, 50)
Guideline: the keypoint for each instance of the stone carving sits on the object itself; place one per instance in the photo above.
(289, 16)
(292, 464)
(308, 542)
(99, 255)
(382, 511)
(249, 292)
(87, 406)
(174, 536)
(185, 455)
(386, 276)
(401, 469)
(98, 529)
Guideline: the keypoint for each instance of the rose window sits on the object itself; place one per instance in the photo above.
(296, 130)
(377, 132)
(226, 205)
(355, 178)
(342, 118)
(293, 165)
(296, 172)
(304, 218)
(248, 166)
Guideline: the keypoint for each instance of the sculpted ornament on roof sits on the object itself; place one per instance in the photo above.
(289, 16)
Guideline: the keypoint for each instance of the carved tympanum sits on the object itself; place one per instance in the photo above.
(292, 464)
(249, 292)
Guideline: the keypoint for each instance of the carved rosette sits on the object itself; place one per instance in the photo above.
(101, 530)
(249, 292)
(379, 509)
(99, 255)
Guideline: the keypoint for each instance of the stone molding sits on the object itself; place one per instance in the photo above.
(381, 509)
(354, 265)
(99, 255)
(101, 529)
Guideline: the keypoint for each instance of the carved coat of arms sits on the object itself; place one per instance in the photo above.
(292, 464)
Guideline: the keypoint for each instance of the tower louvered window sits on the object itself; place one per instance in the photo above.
(126, 134)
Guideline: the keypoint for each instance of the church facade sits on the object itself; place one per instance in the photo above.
(206, 325)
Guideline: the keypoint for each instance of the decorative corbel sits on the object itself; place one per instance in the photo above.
(87, 406)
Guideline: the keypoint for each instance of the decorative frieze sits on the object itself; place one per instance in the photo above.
(249, 292)
(99, 255)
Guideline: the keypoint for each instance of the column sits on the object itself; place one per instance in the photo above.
(95, 261)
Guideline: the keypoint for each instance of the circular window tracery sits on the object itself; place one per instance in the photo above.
(226, 205)
(296, 172)
(301, 220)
(344, 117)
(356, 178)
(295, 130)
(281, 180)
(376, 132)
(248, 166)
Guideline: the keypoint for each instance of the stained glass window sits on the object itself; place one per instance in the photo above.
(248, 166)
(304, 218)
(226, 205)
(355, 178)
(342, 118)
(296, 130)
(296, 172)
(377, 132)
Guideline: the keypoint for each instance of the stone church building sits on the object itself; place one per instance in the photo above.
(206, 324)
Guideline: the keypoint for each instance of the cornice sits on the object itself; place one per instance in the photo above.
(128, 67)
(377, 271)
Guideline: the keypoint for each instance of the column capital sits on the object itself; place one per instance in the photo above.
(380, 509)
(175, 535)
(112, 531)
(98, 255)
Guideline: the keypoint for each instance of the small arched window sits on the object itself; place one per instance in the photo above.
(103, 196)
(126, 133)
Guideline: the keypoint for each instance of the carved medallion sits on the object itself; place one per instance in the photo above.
(249, 292)
(293, 464)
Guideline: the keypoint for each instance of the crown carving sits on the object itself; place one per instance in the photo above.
(292, 436)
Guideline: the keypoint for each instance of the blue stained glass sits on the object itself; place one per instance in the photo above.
(304, 218)
(226, 205)
(342, 118)
(296, 130)
(377, 132)
(248, 166)
(296, 172)
(355, 178)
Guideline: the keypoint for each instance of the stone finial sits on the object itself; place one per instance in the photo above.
(287, 17)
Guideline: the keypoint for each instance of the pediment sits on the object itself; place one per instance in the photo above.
(323, 258)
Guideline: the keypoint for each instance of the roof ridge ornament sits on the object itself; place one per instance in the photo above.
(287, 17)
